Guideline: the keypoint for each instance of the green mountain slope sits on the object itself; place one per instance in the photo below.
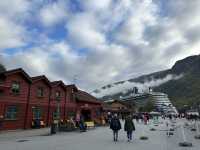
(183, 91)
(186, 90)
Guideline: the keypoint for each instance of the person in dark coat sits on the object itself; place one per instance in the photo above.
(115, 125)
(129, 127)
(82, 125)
(1, 122)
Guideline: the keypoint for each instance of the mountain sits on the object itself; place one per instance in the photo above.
(181, 83)
(186, 90)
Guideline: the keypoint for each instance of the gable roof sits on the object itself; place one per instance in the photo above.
(117, 101)
(58, 83)
(42, 77)
(18, 70)
(86, 97)
(72, 86)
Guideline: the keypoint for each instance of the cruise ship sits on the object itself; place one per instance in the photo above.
(163, 103)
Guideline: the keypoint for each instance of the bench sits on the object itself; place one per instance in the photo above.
(90, 124)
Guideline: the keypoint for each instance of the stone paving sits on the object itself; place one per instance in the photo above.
(100, 138)
(17, 134)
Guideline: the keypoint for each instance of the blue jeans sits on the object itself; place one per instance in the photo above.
(129, 135)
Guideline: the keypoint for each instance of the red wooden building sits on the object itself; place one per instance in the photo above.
(38, 103)
(70, 105)
(27, 102)
(14, 94)
(88, 106)
(57, 101)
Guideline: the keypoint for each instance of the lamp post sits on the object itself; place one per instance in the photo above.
(58, 111)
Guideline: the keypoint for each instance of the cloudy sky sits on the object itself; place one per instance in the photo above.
(93, 43)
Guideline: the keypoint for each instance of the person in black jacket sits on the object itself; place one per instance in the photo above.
(115, 125)
(129, 127)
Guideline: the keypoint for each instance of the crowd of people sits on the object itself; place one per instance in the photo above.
(113, 120)
(129, 126)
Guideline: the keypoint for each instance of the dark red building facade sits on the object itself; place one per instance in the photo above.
(57, 101)
(15, 86)
(26, 102)
(88, 106)
(71, 104)
(38, 102)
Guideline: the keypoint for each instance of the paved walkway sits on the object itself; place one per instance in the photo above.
(17, 134)
(101, 139)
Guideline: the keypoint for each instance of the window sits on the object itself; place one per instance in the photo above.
(37, 113)
(71, 114)
(56, 114)
(40, 92)
(1, 92)
(58, 94)
(71, 97)
(11, 112)
(15, 87)
(1, 81)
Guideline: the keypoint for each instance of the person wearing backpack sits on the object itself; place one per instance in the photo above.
(115, 125)
(129, 127)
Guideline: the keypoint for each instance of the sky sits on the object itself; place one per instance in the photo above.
(93, 43)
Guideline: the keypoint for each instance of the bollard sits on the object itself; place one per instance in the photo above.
(184, 143)
(197, 136)
(143, 137)
(152, 129)
(169, 130)
(53, 128)
(194, 127)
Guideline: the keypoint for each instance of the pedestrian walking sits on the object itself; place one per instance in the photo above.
(145, 119)
(115, 125)
(1, 122)
(148, 117)
(168, 129)
(78, 118)
(82, 125)
(109, 116)
(137, 118)
(129, 127)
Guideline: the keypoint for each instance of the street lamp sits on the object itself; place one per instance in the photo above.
(58, 108)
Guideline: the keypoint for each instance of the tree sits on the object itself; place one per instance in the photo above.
(149, 106)
(2, 68)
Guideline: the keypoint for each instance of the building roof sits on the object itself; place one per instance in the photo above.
(58, 83)
(114, 101)
(126, 104)
(18, 70)
(106, 107)
(86, 97)
(72, 86)
(42, 77)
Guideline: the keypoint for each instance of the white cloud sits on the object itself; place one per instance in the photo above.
(14, 8)
(106, 41)
(92, 5)
(53, 13)
(12, 31)
(11, 34)
(142, 14)
(83, 31)
(129, 85)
